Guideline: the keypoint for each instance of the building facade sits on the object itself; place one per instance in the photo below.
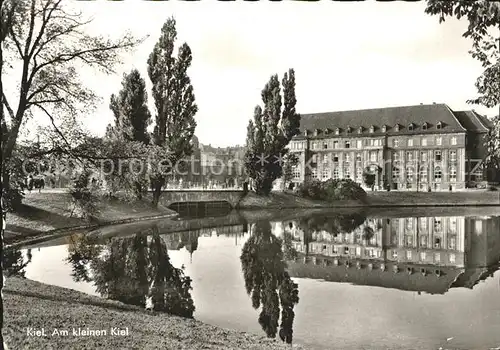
(423, 147)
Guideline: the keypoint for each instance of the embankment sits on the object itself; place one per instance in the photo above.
(55, 308)
(376, 199)
(49, 214)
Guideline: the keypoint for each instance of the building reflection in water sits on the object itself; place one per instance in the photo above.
(422, 254)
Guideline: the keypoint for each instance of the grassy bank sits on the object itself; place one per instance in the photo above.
(42, 213)
(33, 304)
(279, 200)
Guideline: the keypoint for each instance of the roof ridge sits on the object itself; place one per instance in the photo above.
(371, 109)
(454, 117)
(480, 120)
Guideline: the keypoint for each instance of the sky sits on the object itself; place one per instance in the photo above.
(346, 56)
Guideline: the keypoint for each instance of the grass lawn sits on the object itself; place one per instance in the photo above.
(32, 304)
(43, 212)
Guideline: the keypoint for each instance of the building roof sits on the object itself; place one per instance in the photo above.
(417, 116)
(473, 121)
(416, 282)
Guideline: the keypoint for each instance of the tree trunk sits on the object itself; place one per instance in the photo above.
(157, 185)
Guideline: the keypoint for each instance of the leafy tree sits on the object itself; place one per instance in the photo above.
(174, 101)
(267, 282)
(369, 179)
(484, 20)
(290, 160)
(132, 118)
(270, 132)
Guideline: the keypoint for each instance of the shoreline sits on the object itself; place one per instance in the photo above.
(133, 326)
(127, 214)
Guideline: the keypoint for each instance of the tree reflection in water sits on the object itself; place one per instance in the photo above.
(133, 270)
(13, 262)
(267, 282)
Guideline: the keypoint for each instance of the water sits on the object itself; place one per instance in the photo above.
(444, 293)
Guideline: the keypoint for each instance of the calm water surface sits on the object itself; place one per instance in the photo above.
(378, 280)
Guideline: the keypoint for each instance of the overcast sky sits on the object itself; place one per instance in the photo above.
(345, 55)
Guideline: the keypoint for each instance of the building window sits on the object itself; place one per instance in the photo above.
(423, 174)
(423, 156)
(453, 174)
(347, 157)
(424, 142)
(395, 157)
(347, 173)
(395, 143)
(437, 228)
(439, 125)
(439, 141)
(325, 159)
(454, 141)
(335, 144)
(453, 156)
(335, 158)
(349, 130)
(326, 174)
(437, 257)
(336, 173)
(409, 174)
(396, 127)
(348, 144)
(384, 128)
(337, 131)
(409, 156)
(360, 130)
(438, 175)
(408, 255)
(373, 156)
(422, 256)
(437, 156)
(410, 127)
(325, 145)
(424, 126)
(423, 241)
(314, 173)
(313, 145)
(395, 174)
(314, 158)
(358, 157)
(372, 129)
(410, 143)
(359, 144)
(359, 174)
(452, 258)
(296, 172)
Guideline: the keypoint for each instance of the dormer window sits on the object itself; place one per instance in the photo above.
(337, 131)
(316, 132)
(411, 126)
(326, 131)
(305, 132)
(372, 129)
(360, 130)
(349, 130)
(425, 126)
(439, 125)
(396, 127)
(384, 128)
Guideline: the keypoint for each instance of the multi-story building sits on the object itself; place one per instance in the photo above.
(424, 254)
(408, 148)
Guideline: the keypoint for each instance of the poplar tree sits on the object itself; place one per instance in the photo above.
(269, 133)
(174, 101)
(132, 117)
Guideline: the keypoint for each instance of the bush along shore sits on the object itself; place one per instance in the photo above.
(97, 323)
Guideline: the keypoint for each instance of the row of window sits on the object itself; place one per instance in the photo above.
(423, 256)
(438, 141)
(316, 158)
(372, 128)
(423, 174)
(438, 156)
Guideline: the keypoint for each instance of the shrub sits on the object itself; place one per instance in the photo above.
(332, 190)
(84, 199)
